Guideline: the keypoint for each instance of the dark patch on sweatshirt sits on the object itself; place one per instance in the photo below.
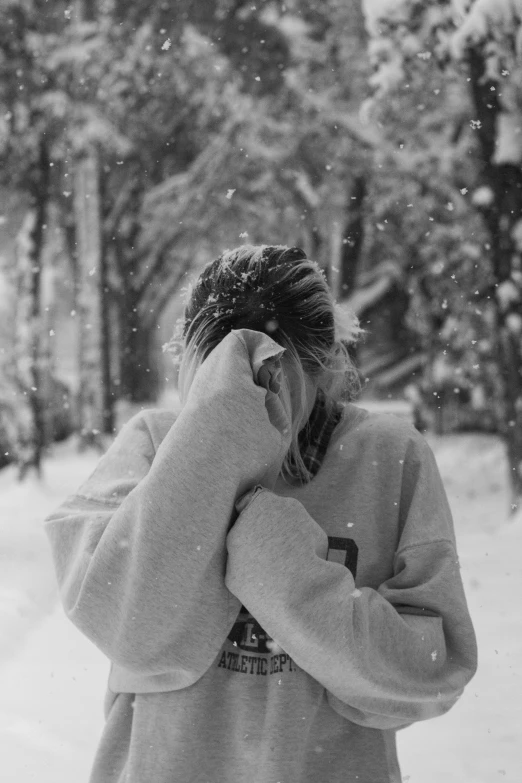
(265, 658)
(248, 635)
(344, 551)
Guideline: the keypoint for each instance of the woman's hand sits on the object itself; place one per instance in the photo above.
(242, 395)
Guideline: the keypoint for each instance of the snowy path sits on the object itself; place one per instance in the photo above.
(479, 740)
(51, 712)
(52, 680)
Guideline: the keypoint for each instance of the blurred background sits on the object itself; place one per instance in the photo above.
(138, 140)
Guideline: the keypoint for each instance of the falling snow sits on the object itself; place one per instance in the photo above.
(48, 667)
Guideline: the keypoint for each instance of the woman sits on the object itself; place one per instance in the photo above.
(272, 573)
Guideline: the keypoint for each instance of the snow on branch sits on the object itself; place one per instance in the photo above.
(499, 20)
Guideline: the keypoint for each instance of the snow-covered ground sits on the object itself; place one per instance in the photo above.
(52, 679)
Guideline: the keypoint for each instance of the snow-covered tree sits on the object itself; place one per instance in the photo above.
(476, 45)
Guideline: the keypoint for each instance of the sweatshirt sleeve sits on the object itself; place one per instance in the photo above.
(140, 549)
(388, 656)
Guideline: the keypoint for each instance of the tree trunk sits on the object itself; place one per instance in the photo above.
(335, 256)
(88, 237)
(106, 338)
(139, 372)
(31, 431)
(501, 217)
(353, 236)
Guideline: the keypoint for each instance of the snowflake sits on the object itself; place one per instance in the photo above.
(230, 192)
(166, 46)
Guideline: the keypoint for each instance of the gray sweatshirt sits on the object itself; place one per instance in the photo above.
(280, 634)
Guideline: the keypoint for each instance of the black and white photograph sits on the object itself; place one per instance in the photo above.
(260, 391)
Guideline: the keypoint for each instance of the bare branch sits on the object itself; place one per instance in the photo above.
(206, 159)
(301, 183)
(120, 205)
(163, 295)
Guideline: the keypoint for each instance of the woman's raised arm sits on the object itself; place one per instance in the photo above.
(140, 549)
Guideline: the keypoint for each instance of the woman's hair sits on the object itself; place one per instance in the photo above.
(279, 291)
